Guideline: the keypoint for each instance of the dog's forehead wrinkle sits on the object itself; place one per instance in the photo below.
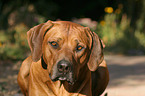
(68, 27)
(71, 28)
(71, 34)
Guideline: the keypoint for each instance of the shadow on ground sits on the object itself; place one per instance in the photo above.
(8, 78)
(125, 69)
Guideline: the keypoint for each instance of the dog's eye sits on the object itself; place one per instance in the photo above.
(54, 44)
(79, 48)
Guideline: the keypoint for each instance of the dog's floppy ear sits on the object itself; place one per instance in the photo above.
(35, 39)
(96, 55)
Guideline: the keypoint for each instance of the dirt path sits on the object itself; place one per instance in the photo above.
(8, 78)
(127, 76)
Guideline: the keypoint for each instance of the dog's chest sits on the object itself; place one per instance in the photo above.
(57, 90)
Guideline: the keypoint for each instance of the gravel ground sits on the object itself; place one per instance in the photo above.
(8, 78)
(127, 76)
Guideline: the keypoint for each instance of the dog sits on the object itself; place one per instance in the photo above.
(66, 60)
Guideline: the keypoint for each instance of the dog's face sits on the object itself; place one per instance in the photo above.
(65, 48)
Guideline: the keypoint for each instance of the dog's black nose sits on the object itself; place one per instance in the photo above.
(63, 66)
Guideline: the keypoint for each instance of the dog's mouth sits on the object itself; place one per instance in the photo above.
(62, 78)
(70, 81)
(67, 77)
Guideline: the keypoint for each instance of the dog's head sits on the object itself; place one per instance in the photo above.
(64, 48)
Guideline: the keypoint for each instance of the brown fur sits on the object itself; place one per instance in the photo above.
(90, 74)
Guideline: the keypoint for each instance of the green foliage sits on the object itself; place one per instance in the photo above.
(13, 43)
(120, 37)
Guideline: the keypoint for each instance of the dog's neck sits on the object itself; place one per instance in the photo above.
(83, 79)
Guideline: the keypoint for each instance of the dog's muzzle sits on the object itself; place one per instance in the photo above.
(63, 71)
(63, 68)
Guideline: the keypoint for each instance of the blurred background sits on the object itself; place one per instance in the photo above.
(119, 23)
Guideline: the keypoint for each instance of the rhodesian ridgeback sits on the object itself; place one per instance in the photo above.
(66, 60)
